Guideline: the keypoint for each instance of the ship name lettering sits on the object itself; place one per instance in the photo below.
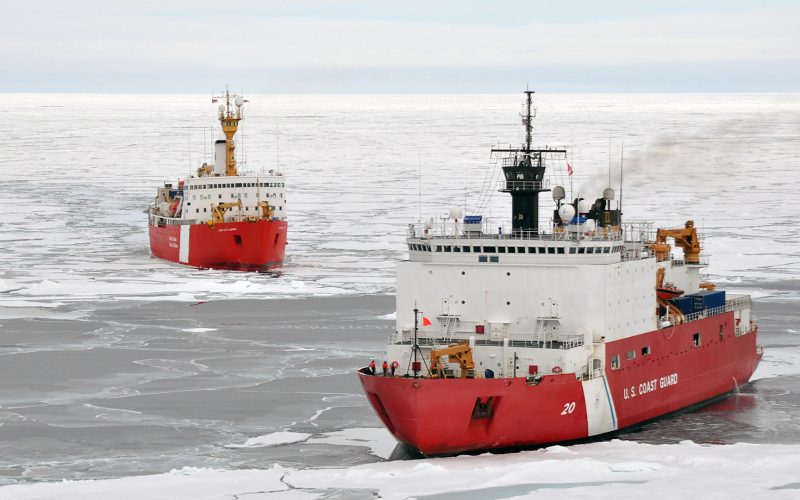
(650, 386)
(668, 380)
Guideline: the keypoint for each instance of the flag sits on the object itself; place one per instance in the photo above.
(426, 321)
(213, 99)
(569, 169)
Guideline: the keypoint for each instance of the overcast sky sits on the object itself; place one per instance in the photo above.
(399, 46)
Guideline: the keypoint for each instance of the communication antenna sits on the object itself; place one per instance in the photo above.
(419, 182)
(621, 156)
(277, 148)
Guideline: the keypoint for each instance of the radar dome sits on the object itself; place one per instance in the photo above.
(566, 212)
(239, 101)
(429, 223)
(608, 194)
(456, 213)
(584, 206)
(221, 108)
(559, 193)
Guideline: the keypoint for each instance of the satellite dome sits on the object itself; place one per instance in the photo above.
(221, 108)
(608, 194)
(559, 193)
(456, 213)
(566, 212)
(584, 206)
(239, 101)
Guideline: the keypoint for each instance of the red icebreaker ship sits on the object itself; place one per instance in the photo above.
(513, 337)
(218, 218)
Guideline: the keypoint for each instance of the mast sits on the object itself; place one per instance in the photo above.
(524, 169)
(230, 113)
(527, 120)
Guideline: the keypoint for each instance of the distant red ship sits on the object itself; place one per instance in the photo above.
(219, 219)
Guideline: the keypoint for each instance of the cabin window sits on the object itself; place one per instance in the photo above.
(615, 362)
(582, 250)
(590, 250)
(438, 248)
(560, 250)
(489, 249)
(606, 249)
(520, 249)
(447, 248)
(572, 250)
(646, 350)
(631, 355)
(483, 258)
(512, 250)
(476, 249)
(494, 258)
(551, 250)
(501, 249)
(696, 340)
(531, 249)
(457, 249)
(466, 249)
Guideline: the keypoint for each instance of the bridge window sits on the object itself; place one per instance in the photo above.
(646, 350)
(457, 249)
(494, 258)
(582, 250)
(483, 258)
(590, 250)
(520, 249)
(489, 249)
(560, 250)
(476, 249)
(447, 248)
(551, 250)
(631, 355)
(438, 248)
(531, 249)
(615, 362)
(501, 249)
(572, 250)
(466, 249)
(696, 340)
(512, 250)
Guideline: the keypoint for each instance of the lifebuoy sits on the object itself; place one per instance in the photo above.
(556, 369)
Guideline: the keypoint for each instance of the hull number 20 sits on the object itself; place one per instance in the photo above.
(568, 408)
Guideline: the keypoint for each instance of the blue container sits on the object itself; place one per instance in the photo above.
(685, 304)
(708, 299)
(472, 219)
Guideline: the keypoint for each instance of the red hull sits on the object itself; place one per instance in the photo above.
(240, 246)
(437, 417)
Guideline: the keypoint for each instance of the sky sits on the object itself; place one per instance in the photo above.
(418, 46)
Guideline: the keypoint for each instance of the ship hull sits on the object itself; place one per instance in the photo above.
(448, 416)
(240, 246)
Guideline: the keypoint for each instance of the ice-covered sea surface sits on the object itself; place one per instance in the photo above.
(134, 378)
(79, 169)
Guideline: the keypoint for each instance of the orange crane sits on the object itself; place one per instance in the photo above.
(686, 238)
(460, 353)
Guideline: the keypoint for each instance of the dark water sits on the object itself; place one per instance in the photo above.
(131, 388)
